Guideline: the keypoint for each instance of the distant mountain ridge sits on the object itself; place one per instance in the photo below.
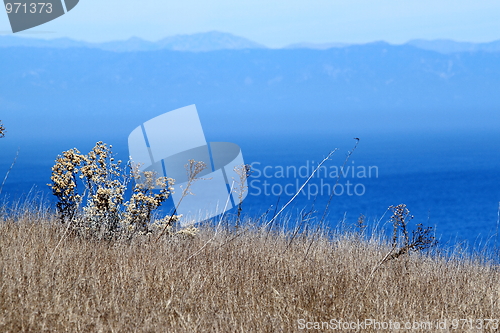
(447, 46)
(214, 40)
(354, 86)
(444, 46)
(316, 46)
(209, 41)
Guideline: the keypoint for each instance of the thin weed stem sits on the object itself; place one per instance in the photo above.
(303, 185)
(8, 171)
(338, 180)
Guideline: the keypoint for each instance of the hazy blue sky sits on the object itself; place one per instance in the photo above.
(276, 23)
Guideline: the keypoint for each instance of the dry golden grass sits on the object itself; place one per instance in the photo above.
(222, 281)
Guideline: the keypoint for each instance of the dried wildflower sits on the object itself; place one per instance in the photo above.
(193, 169)
(104, 181)
(64, 183)
(420, 239)
(144, 201)
(187, 232)
(402, 244)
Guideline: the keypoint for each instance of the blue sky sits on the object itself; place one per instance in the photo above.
(276, 23)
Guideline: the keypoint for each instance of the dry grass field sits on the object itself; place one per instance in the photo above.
(250, 280)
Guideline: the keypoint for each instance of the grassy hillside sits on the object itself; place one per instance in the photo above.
(251, 280)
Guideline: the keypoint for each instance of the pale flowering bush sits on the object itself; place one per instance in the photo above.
(143, 202)
(100, 208)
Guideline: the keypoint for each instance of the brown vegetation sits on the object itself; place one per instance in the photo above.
(250, 280)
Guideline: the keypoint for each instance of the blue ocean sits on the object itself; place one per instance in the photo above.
(449, 181)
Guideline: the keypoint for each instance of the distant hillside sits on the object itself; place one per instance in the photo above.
(447, 46)
(214, 40)
(444, 46)
(209, 41)
(379, 87)
(316, 46)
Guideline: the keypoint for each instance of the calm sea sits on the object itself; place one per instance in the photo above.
(450, 181)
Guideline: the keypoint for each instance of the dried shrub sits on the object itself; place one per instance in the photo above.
(64, 183)
(421, 238)
(105, 213)
(144, 201)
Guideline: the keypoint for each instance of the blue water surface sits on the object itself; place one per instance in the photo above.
(449, 180)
